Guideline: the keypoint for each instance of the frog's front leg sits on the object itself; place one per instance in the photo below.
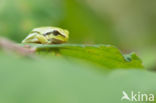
(31, 38)
(42, 39)
(35, 38)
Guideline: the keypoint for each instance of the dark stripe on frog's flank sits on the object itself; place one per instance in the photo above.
(55, 32)
(48, 33)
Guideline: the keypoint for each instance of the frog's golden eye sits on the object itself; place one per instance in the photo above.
(55, 32)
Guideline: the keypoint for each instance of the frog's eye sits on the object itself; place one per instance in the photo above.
(55, 32)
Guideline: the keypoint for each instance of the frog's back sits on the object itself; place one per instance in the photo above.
(43, 30)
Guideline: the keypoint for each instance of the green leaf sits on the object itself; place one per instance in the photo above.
(103, 55)
(57, 80)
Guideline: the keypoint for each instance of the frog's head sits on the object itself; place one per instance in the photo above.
(53, 35)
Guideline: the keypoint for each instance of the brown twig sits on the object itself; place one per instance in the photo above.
(10, 46)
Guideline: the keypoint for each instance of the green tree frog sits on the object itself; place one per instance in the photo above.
(47, 35)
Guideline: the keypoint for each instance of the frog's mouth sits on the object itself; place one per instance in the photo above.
(56, 41)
